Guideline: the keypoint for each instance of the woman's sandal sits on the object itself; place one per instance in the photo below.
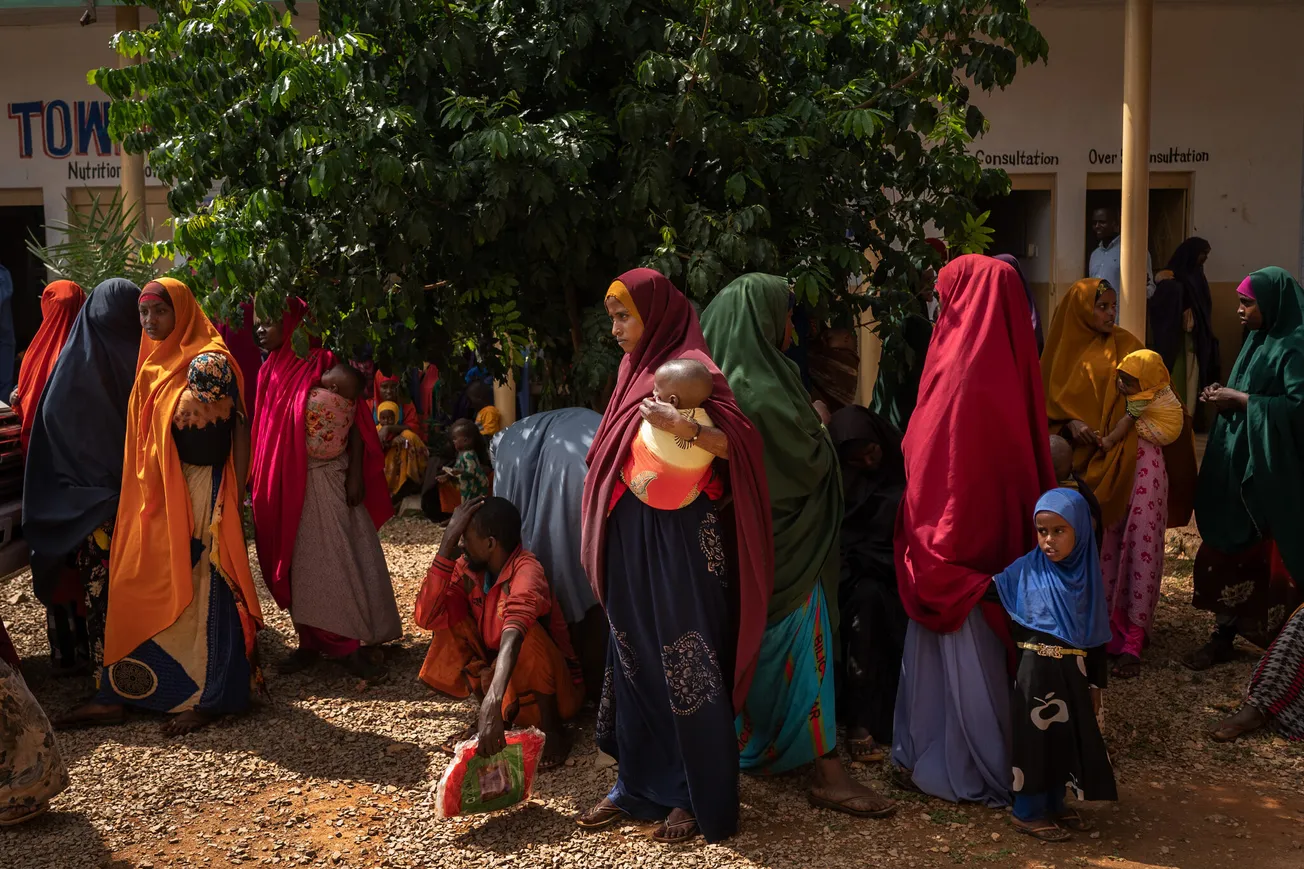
(601, 816)
(866, 750)
(449, 747)
(1073, 820)
(14, 817)
(678, 833)
(902, 779)
(1126, 667)
(846, 806)
(1047, 831)
(1209, 655)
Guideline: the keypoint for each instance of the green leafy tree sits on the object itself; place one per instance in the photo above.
(434, 175)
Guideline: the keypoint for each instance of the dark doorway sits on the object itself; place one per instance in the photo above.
(1167, 222)
(18, 223)
(1022, 225)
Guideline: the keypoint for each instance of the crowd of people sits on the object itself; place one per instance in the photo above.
(733, 560)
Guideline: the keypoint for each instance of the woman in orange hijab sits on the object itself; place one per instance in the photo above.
(60, 303)
(182, 610)
(1128, 474)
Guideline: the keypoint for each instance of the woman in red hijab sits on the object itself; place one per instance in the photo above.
(60, 304)
(676, 670)
(977, 459)
(65, 609)
(319, 496)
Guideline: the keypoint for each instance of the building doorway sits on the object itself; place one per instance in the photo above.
(1023, 225)
(22, 217)
(1170, 212)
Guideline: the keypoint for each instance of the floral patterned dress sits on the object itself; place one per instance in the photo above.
(1132, 555)
(31, 768)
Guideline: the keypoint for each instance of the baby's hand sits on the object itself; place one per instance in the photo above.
(1107, 443)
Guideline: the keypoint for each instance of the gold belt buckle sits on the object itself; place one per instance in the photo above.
(1046, 651)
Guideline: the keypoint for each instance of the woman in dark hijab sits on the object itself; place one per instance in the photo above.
(872, 620)
(1181, 322)
(1013, 261)
(70, 495)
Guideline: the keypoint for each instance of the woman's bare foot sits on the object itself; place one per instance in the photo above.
(1248, 720)
(836, 790)
(91, 715)
(679, 827)
(188, 722)
(556, 748)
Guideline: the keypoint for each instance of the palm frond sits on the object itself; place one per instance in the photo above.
(97, 244)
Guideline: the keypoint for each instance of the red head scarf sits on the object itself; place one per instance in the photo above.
(976, 451)
(411, 418)
(240, 339)
(671, 331)
(280, 454)
(60, 303)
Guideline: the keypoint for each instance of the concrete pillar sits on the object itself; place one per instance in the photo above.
(871, 346)
(133, 165)
(505, 398)
(1138, 27)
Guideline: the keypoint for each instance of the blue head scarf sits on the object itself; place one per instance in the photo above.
(1065, 600)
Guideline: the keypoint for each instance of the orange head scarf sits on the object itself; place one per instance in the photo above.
(60, 304)
(150, 561)
(1079, 372)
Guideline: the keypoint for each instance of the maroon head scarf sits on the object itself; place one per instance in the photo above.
(671, 331)
(976, 451)
(280, 454)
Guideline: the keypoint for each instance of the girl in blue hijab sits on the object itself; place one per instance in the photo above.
(1056, 599)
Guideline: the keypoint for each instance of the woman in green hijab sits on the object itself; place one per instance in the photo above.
(1250, 500)
(788, 719)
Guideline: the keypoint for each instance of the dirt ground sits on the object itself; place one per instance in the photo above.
(328, 771)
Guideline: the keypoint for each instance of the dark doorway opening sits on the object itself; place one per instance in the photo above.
(18, 223)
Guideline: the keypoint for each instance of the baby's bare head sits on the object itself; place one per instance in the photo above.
(685, 383)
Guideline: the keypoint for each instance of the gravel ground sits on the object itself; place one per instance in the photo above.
(328, 771)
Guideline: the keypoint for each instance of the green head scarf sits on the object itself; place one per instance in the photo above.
(1252, 479)
(744, 328)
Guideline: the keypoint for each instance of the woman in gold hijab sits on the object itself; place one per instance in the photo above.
(1129, 475)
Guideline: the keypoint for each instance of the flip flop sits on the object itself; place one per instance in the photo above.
(603, 816)
(1209, 655)
(662, 833)
(7, 819)
(902, 779)
(449, 747)
(544, 766)
(1051, 832)
(1073, 820)
(1126, 667)
(846, 808)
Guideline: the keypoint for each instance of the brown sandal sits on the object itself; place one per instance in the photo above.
(601, 816)
(662, 834)
(866, 750)
(1047, 832)
(1072, 819)
(14, 817)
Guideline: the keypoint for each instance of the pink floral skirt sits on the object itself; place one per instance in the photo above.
(1132, 555)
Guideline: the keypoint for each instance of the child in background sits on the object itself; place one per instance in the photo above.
(1056, 598)
(471, 468)
(405, 452)
(488, 419)
(1061, 454)
(1152, 406)
(663, 471)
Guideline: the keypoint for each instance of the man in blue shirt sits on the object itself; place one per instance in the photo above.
(1105, 259)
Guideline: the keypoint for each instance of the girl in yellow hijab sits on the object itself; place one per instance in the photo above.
(1080, 368)
(182, 608)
